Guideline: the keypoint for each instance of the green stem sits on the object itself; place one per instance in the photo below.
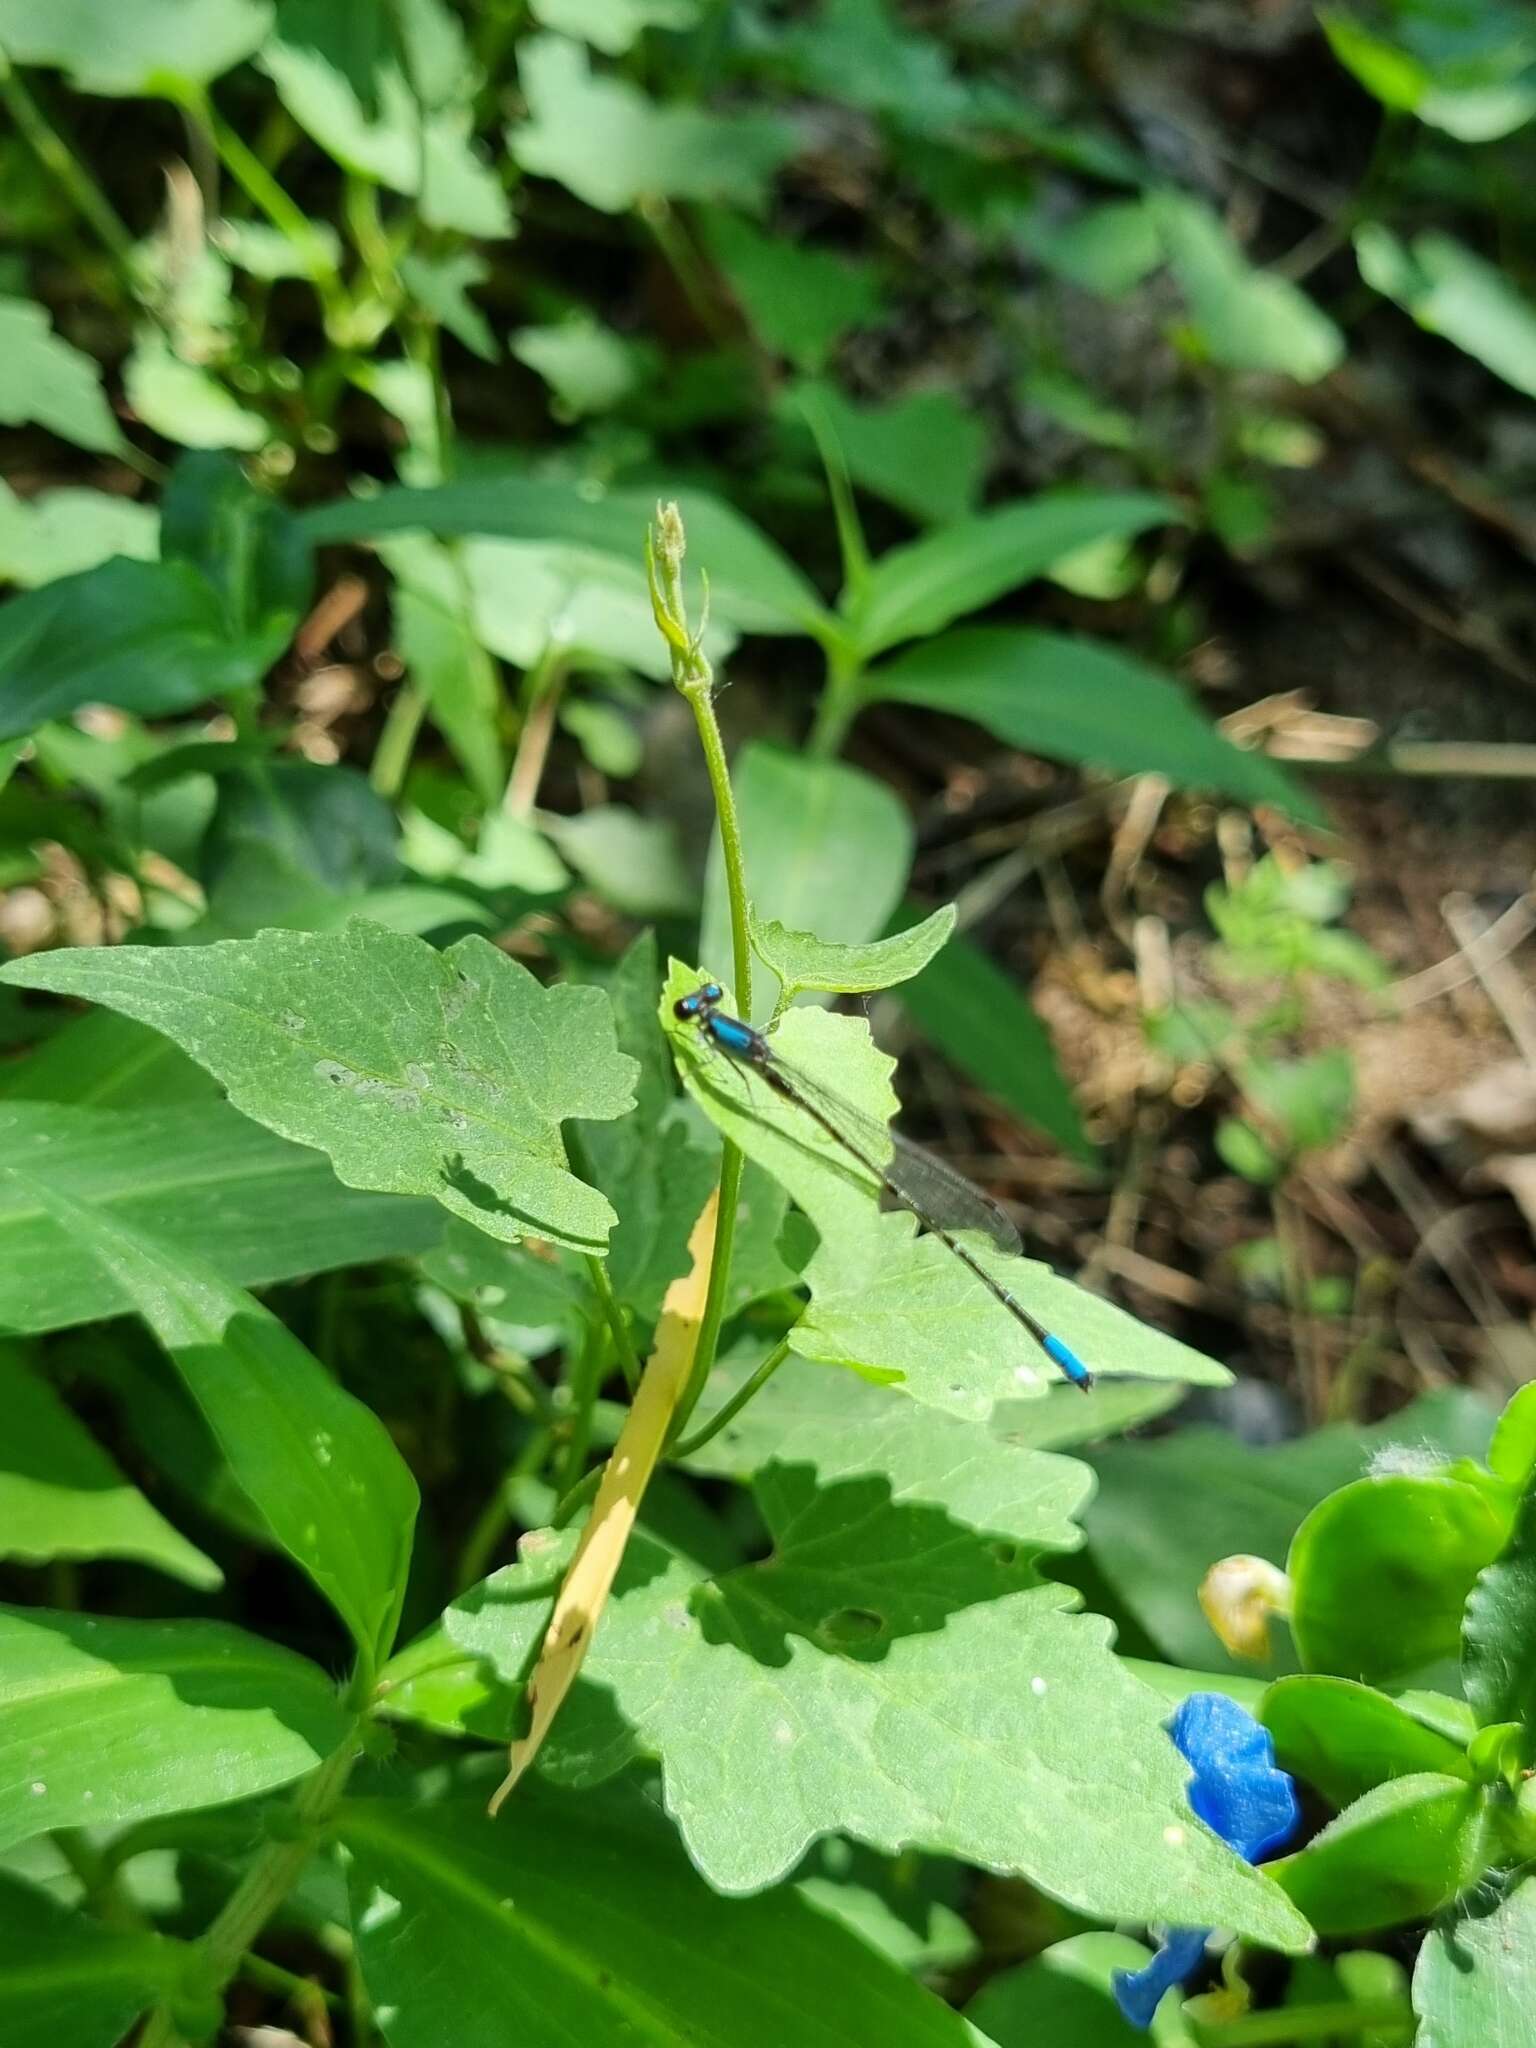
(623, 1343)
(392, 755)
(842, 698)
(1307, 2023)
(729, 1410)
(60, 161)
(585, 1378)
(299, 1991)
(262, 189)
(584, 1490)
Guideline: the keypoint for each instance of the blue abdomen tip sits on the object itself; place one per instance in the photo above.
(1068, 1360)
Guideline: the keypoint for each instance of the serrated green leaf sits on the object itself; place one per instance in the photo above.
(1079, 700)
(1476, 1975)
(918, 589)
(316, 1464)
(444, 1074)
(1246, 319)
(800, 300)
(104, 1721)
(1451, 292)
(1498, 1641)
(154, 46)
(606, 141)
(195, 1172)
(910, 1688)
(149, 637)
(466, 1929)
(1400, 1853)
(826, 845)
(802, 961)
(1345, 1739)
(54, 1962)
(43, 378)
(884, 1301)
(59, 533)
(752, 585)
(62, 1496)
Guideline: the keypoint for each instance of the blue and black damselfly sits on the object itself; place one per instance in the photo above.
(941, 1199)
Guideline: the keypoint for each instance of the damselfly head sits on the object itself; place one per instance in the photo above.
(703, 998)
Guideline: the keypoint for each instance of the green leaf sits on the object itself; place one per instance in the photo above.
(918, 589)
(1512, 1454)
(1346, 1739)
(62, 1496)
(826, 846)
(632, 861)
(911, 1689)
(444, 1074)
(1063, 1995)
(612, 26)
(149, 637)
(104, 1721)
(979, 1018)
(468, 1931)
(587, 366)
(1466, 70)
(884, 1301)
(606, 141)
(1381, 1570)
(752, 585)
(43, 379)
(1078, 700)
(1453, 293)
(59, 533)
(153, 46)
(317, 1465)
(246, 543)
(801, 961)
(1069, 1416)
(1498, 1657)
(442, 284)
(1475, 1980)
(390, 95)
(185, 401)
(927, 454)
(1077, 406)
(1106, 249)
(1244, 319)
(53, 1962)
(1401, 1853)
(437, 640)
(195, 1172)
(1310, 1099)
(800, 301)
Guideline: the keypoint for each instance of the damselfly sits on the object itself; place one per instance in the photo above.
(940, 1199)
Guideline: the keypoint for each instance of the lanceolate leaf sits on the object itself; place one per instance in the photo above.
(54, 1962)
(318, 1466)
(104, 1721)
(446, 1074)
(197, 1174)
(470, 1931)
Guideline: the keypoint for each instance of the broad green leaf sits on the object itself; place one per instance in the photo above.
(185, 401)
(1453, 293)
(62, 1496)
(854, 53)
(633, 861)
(152, 46)
(606, 141)
(436, 637)
(612, 26)
(245, 542)
(1209, 1496)
(443, 1074)
(44, 379)
(1498, 1654)
(918, 589)
(827, 847)
(1476, 1975)
(104, 1721)
(148, 637)
(316, 1464)
(1381, 1570)
(468, 1931)
(1069, 1416)
(432, 1683)
(910, 1688)
(1062, 1996)
(324, 823)
(983, 1021)
(1079, 700)
(1465, 69)
(587, 366)
(54, 1962)
(927, 453)
(800, 301)
(510, 1283)
(194, 1172)
(1345, 1739)
(1244, 319)
(1107, 249)
(1512, 1453)
(100, 1061)
(752, 585)
(802, 961)
(389, 93)
(889, 1303)
(59, 533)
(1401, 1853)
